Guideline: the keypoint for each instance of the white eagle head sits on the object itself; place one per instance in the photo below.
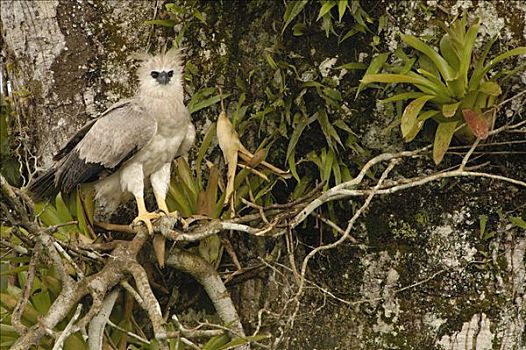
(161, 76)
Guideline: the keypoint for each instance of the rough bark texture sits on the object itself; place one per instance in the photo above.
(468, 293)
(72, 58)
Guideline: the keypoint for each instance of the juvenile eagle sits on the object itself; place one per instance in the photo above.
(129, 145)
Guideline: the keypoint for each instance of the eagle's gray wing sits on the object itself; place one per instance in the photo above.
(75, 139)
(100, 149)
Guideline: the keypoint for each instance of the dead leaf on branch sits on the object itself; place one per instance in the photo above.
(232, 148)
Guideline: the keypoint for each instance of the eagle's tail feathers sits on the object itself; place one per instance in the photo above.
(44, 186)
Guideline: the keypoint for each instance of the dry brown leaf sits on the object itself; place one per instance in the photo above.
(159, 248)
(229, 143)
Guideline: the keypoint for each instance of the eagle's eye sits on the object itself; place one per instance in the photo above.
(171, 73)
(154, 74)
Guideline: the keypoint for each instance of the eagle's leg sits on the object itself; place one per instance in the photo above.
(144, 215)
(160, 181)
(132, 180)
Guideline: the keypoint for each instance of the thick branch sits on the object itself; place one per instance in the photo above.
(112, 273)
(98, 323)
(208, 277)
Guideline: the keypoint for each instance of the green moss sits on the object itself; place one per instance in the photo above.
(10, 165)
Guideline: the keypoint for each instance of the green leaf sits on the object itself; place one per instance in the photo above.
(399, 78)
(194, 107)
(429, 75)
(161, 22)
(353, 31)
(483, 220)
(75, 342)
(298, 29)
(449, 110)
(292, 166)
(235, 343)
(341, 125)
(328, 130)
(312, 83)
(490, 88)
(333, 94)
(216, 342)
(448, 52)
(445, 69)
(270, 61)
(179, 200)
(210, 249)
(465, 57)
(41, 301)
(420, 121)
(184, 174)
(293, 9)
(173, 8)
(325, 8)
(205, 145)
(408, 121)
(476, 77)
(328, 160)
(62, 209)
(47, 214)
(199, 15)
(342, 5)
(374, 67)
(336, 172)
(402, 96)
(443, 137)
(517, 221)
(298, 130)
(301, 187)
(326, 24)
(9, 302)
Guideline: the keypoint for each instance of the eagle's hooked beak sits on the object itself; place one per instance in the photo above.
(164, 78)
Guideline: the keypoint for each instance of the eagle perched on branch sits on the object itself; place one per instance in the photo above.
(130, 144)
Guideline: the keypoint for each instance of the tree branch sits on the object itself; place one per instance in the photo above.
(208, 277)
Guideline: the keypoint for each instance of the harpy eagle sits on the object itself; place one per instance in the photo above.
(130, 145)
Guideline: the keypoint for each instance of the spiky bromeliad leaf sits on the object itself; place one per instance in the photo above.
(479, 72)
(449, 110)
(411, 112)
(374, 67)
(448, 52)
(465, 57)
(443, 66)
(443, 137)
(415, 79)
(420, 120)
(490, 88)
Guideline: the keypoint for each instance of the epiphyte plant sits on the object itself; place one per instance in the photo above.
(453, 85)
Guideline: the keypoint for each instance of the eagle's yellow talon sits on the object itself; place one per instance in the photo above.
(147, 218)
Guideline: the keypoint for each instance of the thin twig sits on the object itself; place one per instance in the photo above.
(468, 154)
(21, 304)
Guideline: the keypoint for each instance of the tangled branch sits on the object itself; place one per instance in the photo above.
(120, 257)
